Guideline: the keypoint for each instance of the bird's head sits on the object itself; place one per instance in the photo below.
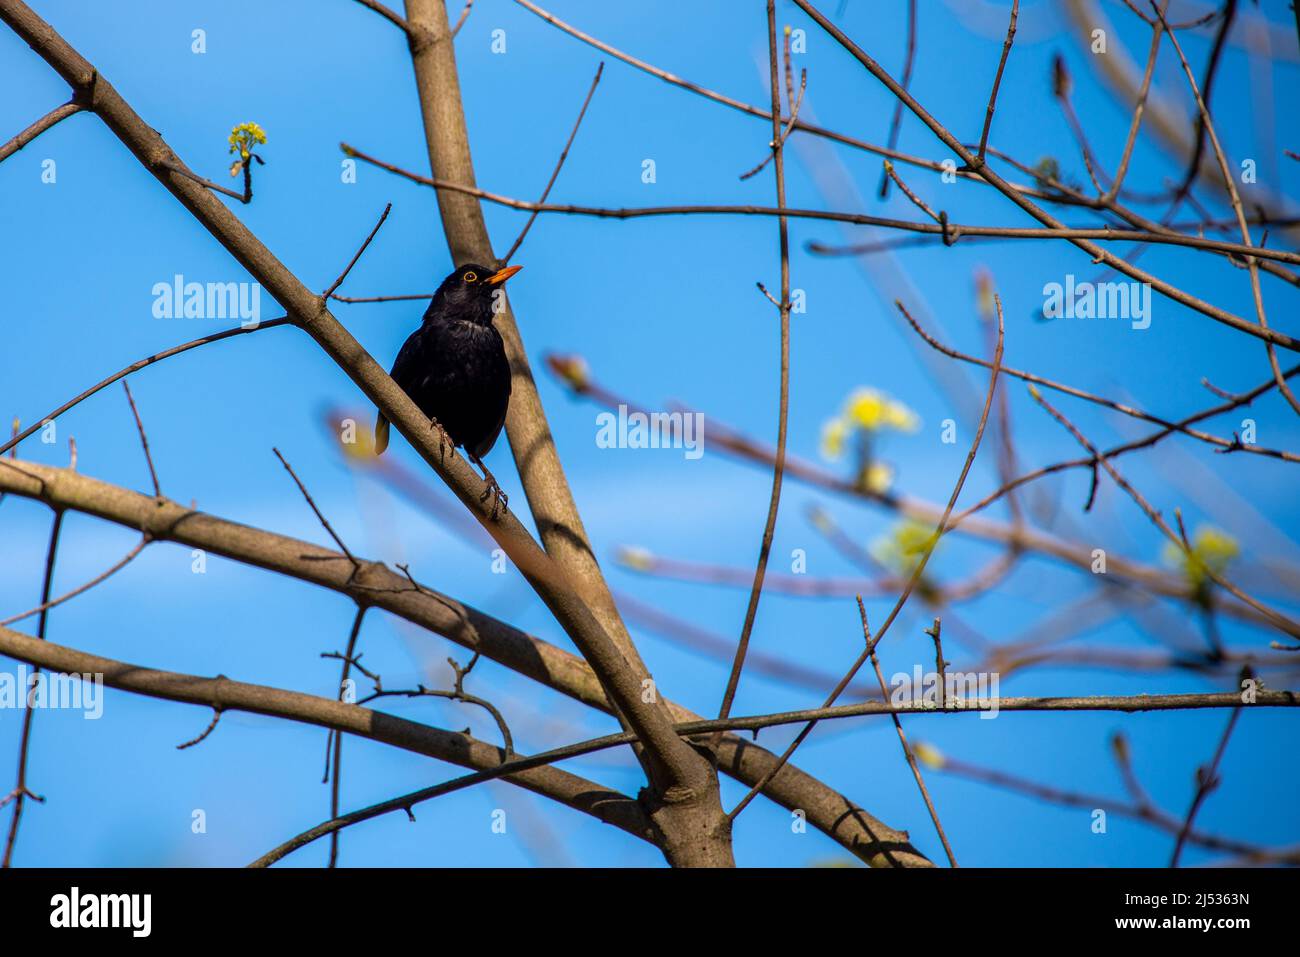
(469, 293)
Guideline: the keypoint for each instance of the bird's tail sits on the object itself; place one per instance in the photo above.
(381, 434)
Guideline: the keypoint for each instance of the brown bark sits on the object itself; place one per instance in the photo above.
(688, 807)
(223, 694)
(679, 775)
(378, 586)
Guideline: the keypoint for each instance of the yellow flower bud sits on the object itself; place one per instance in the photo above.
(928, 755)
(636, 558)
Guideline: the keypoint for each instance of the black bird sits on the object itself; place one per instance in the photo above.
(454, 366)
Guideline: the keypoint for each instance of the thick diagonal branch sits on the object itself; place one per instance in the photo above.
(679, 775)
(227, 695)
(549, 497)
(690, 793)
(376, 585)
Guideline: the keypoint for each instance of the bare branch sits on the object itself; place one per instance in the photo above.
(559, 164)
(353, 261)
(1206, 127)
(783, 391)
(455, 748)
(953, 231)
(21, 792)
(829, 811)
(1233, 445)
(356, 565)
(48, 603)
(997, 81)
(135, 367)
(1275, 618)
(1024, 202)
(902, 737)
(387, 14)
(1208, 780)
(144, 439)
(896, 121)
(915, 577)
(40, 126)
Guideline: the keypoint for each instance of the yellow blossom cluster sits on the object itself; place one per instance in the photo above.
(869, 411)
(872, 410)
(1212, 549)
(242, 140)
(903, 548)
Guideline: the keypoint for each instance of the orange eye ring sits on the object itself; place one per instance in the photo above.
(470, 276)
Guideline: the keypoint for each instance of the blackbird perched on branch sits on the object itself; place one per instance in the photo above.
(454, 367)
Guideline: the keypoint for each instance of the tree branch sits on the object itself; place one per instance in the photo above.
(221, 692)
(380, 587)
(676, 767)
(47, 121)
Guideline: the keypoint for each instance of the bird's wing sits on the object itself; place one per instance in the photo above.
(405, 367)
(503, 372)
(501, 421)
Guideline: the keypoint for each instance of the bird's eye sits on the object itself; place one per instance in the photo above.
(471, 276)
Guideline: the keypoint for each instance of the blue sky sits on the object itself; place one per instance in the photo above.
(661, 308)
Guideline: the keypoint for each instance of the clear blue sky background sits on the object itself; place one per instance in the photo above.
(661, 308)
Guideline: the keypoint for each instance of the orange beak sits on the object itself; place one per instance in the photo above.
(499, 277)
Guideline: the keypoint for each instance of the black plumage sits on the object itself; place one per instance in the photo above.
(454, 366)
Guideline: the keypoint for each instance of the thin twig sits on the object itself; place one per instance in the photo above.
(559, 164)
(1275, 618)
(21, 791)
(135, 367)
(460, 21)
(1062, 84)
(319, 515)
(1229, 12)
(1207, 127)
(1157, 31)
(997, 81)
(402, 298)
(1208, 780)
(796, 104)
(337, 736)
(912, 581)
(890, 173)
(1140, 809)
(902, 737)
(896, 121)
(778, 470)
(40, 126)
(1168, 425)
(388, 15)
(46, 605)
(244, 197)
(353, 261)
(1078, 235)
(212, 726)
(144, 440)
